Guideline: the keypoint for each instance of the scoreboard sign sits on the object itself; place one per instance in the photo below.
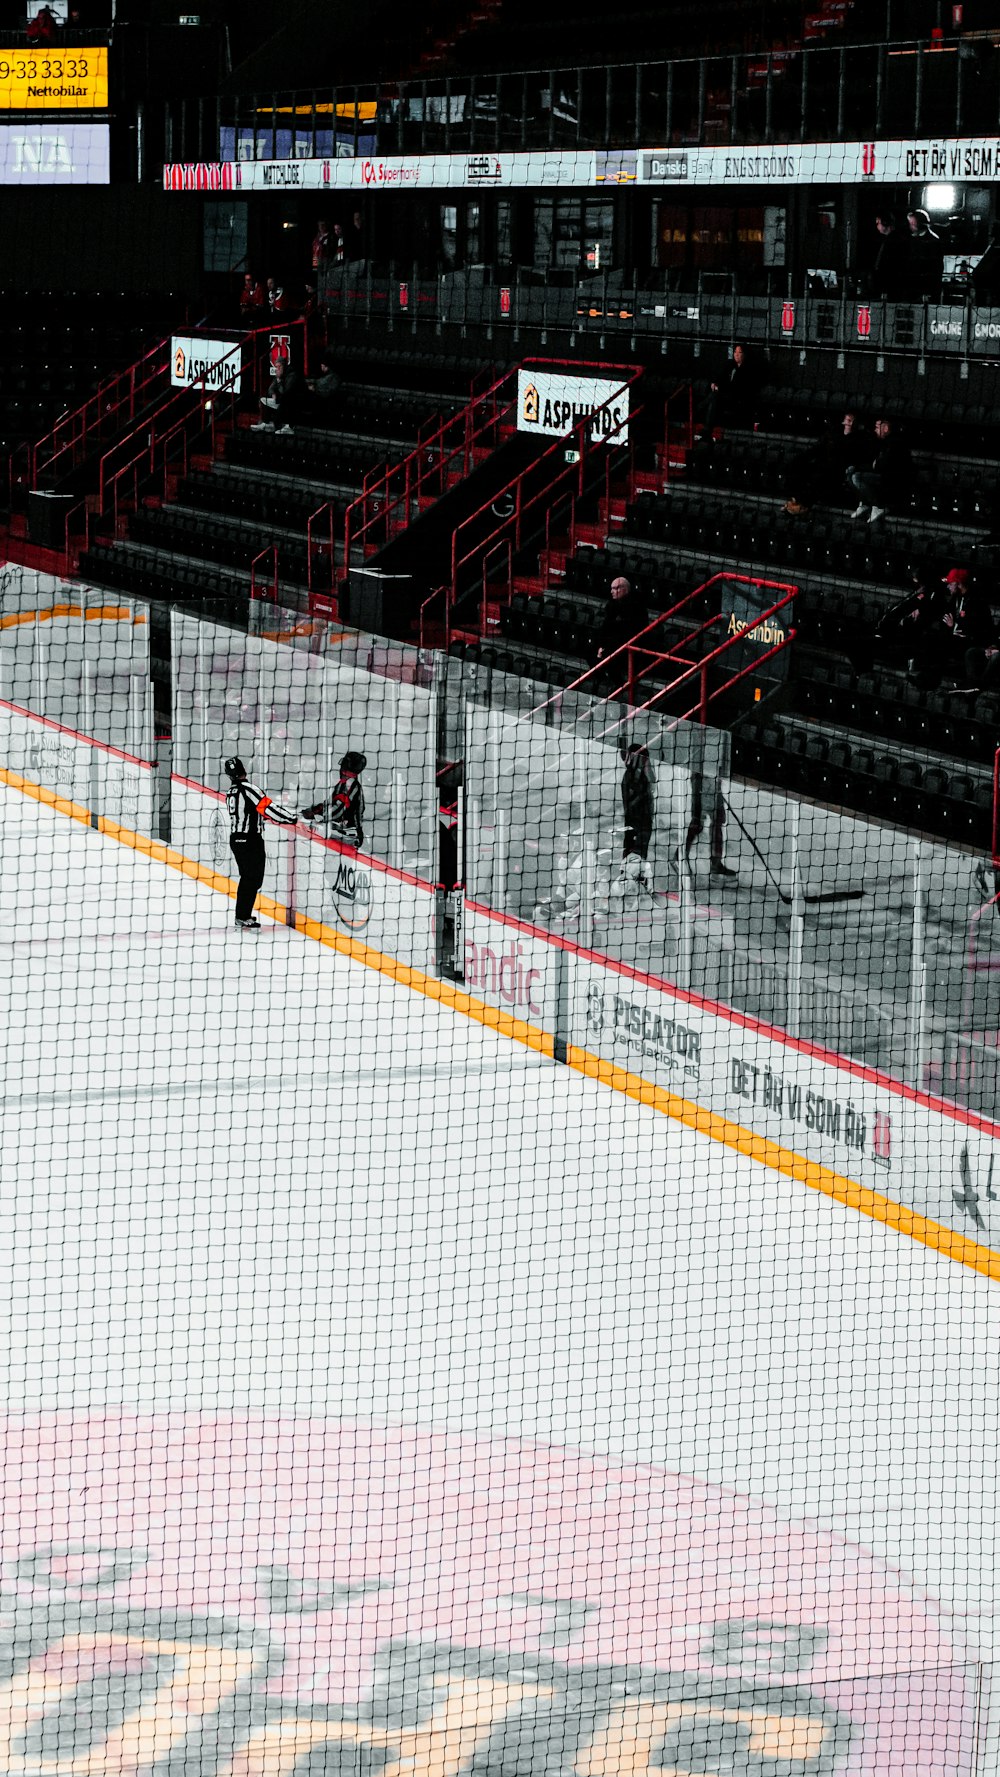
(54, 79)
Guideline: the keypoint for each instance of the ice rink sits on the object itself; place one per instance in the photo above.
(242, 1174)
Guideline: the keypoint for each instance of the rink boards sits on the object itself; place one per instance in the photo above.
(897, 1155)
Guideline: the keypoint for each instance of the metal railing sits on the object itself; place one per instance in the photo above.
(616, 310)
(638, 658)
(320, 562)
(446, 452)
(531, 499)
(140, 465)
(795, 92)
(269, 553)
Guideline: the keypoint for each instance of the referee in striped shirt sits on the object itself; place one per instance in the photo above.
(248, 806)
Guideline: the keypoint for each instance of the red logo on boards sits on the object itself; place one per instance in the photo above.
(864, 321)
(505, 299)
(281, 348)
(404, 296)
(788, 317)
(868, 159)
(882, 1137)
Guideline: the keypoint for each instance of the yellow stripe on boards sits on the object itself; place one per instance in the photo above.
(808, 1172)
(908, 1222)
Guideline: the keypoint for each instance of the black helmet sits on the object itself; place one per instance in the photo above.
(234, 768)
(354, 762)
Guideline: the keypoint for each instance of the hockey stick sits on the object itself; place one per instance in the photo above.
(826, 899)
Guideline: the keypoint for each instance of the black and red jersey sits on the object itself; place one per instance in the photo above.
(344, 809)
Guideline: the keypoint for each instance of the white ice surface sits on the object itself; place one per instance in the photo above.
(243, 1172)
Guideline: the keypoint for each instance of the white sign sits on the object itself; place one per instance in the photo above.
(554, 404)
(54, 153)
(424, 172)
(211, 363)
(954, 159)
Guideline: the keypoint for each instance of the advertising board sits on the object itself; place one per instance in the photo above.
(55, 153)
(54, 79)
(550, 403)
(211, 363)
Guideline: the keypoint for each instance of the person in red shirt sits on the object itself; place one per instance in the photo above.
(278, 300)
(251, 299)
(42, 28)
(321, 245)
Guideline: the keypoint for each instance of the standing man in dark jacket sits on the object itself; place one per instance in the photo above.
(892, 261)
(638, 789)
(926, 260)
(248, 807)
(625, 615)
(733, 394)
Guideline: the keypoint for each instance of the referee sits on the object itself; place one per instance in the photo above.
(247, 807)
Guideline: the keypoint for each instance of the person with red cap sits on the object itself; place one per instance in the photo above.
(971, 630)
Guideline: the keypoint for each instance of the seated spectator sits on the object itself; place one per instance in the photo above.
(733, 396)
(970, 631)
(282, 405)
(914, 625)
(888, 479)
(328, 381)
(825, 464)
(624, 616)
(252, 299)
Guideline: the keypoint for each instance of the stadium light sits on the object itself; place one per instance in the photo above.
(939, 197)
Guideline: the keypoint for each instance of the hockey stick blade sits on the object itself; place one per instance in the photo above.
(828, 898)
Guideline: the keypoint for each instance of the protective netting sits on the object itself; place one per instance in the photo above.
(526, 1307)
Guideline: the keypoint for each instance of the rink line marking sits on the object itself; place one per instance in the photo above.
(444, 992)
(817, 1177)
(148, 1093)
(458, 999)
(918, 1228)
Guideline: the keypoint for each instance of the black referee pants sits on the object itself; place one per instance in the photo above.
(251, 858)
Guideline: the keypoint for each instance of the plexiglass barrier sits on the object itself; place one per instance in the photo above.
(877, 944)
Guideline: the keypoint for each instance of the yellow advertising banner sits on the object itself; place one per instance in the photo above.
(54, 79)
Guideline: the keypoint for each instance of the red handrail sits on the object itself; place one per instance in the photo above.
(515, 487)
(685, 391)
(154, 437)
(700, 667)
(324, 596)
(632, 646)
(270, 549)
(415, 472)
(92, 415)
(439, 592)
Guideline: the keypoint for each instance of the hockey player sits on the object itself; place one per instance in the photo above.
(248, 807)
(346, 803)
(638, 789)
